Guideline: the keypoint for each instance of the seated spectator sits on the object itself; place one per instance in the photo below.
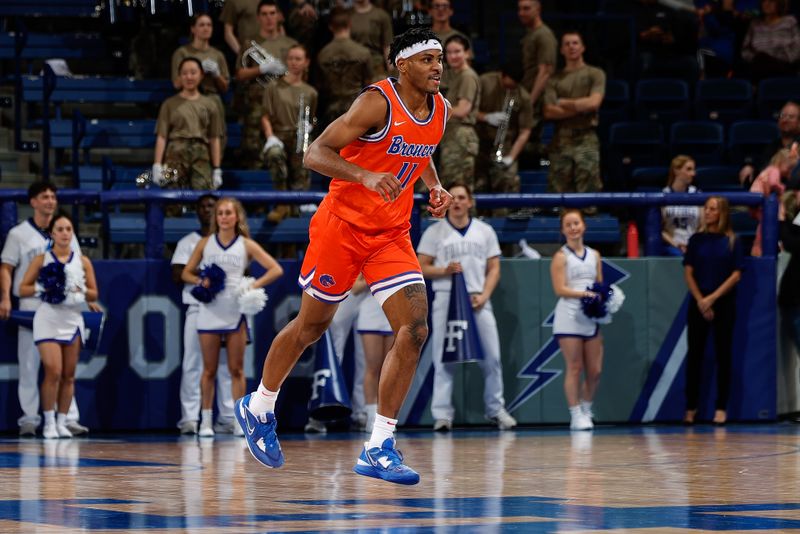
(679, 222)
(771, 180)
(789, 128)
(772, 44)
(667, 41)
(722, 28)
(187, 135)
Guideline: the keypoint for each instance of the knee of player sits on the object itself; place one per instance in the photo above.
(416, 332)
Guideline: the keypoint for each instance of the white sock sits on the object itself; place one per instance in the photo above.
(49, 417)
(61, 419)
(382, 430)
(263, 400)
(586, 406)
(575, 411)
(206, 417)
(372, 411)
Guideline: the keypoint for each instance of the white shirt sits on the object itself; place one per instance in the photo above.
(24, 242)
(183, 251)
(681, 222)
(471, 247)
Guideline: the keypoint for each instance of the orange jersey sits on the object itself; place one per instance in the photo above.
(403, 147)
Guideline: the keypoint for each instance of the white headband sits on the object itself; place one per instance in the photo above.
(416, 48)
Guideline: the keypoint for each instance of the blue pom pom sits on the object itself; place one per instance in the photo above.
(216, 283)
(595, 307)
(53, 280)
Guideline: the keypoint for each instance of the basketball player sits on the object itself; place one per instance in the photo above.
(25, 241)
(465, 245)
(386, 141)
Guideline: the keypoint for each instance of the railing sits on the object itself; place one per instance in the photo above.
(649, 202)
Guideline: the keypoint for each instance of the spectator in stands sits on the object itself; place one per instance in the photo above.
(290, 106)
(539, 56)
(376, 338)
(462, 244)
(192, 364)
(572, 100)
(276, 45)
(679, 222)
(302, 22)
(216, 77)
(771, 180)
(666, 41)
(505, 105)
(25, 241)
(789, 128)
(187, 135)
(372, 27)
(462, 87)
(441, 11)
(723, 26)
(772, 44)
(58, 328)
(230, 248)
(712, 267)
(241, 23)
(344, 68)
(574, 269)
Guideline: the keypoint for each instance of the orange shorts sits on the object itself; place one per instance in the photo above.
(338, 251)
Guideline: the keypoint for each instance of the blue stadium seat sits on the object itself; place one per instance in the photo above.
(652, 179)
(662, 99)
(747, 140)
(246, 180)
(533, 181)
(703, 140)
(49, 8)
(773, 93)
(631, 145)
(616, 107)
(46, 45)
(718, 178)
(130, 228)
(723, 100)
(599, 229)
(291, 230)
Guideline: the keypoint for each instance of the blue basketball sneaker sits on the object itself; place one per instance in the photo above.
(259, 431)
(385, 462)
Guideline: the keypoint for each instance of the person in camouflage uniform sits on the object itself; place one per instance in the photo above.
(216, 77)
(283, 123)
(459, 145)
(276, 45)
(503, 100)
(441, 11)
(187, 135)
(572, 100)
(372, 27)
(344, 68)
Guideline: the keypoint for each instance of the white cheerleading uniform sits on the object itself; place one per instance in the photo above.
(344, 320)
(681, 221)
(222, 315)
(581, 273)
(192, 365)
(23, 243)
(472, 246)
(61, 323)
(371, 319)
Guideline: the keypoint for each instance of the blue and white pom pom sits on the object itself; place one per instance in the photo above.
(51, 283)
(216, 283)
(74, 284)
(251, 300)
(608, 300)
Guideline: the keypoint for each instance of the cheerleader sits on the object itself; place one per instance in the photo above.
(574, 268)
(58, 329)
(230, 249)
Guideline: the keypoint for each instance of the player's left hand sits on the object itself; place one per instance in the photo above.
(95, 307)
(439, 200)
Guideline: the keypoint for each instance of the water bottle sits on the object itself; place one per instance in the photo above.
(633, 240)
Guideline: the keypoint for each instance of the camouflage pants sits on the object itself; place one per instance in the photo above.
(223, 135)
(252, 136)
(191, 158)
(491, 177)
(286, 166)
(457, 152)
(574, 162)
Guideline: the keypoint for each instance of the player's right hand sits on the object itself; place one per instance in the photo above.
(383, 183)
(5, 308)
(453, 267)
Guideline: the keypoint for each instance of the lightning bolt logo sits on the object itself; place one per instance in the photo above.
(540, 377)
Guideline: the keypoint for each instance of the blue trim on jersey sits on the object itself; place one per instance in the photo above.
(242, 319)
(585, 251)
(223, 247)
(40, 230)
(61, 341)
(408, 282)
(313, 294)
(393, 277)
(55, 258)
(392, 81)
(596, 331)
(380, 135)
(462, 231)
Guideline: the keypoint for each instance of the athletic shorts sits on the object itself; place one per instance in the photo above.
(338, 251)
